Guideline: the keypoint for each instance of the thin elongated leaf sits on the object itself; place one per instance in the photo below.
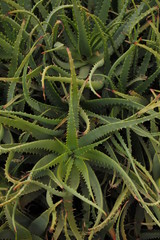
(72, 123)
(111, 127)
(83, 43)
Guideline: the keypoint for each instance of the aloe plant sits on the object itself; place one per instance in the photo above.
(79, 141)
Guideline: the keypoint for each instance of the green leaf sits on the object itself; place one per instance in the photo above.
(50, 161)
(104, 130)
(83, 42)
(82, 167)
(72, 122)
(105, 161)
(21, 231)
(39, 225)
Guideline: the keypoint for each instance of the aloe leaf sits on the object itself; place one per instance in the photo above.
(123, 56)
(81, 150)
(74, 89)
(85, 117)
(103, 11)
(6, 47)
(13, 4)
(118, 226)
(97, 65)
(82, 167)
(71, 218)
(144, 86)
(15, 53)
(72, 123)
(95, 105)
(114, 212)
(125, 72)
(14, 64)
(51, 14)
(107, 162)
(95, 84)
(7, 166)
(30, 147)
(123, 216)
(78, 195)
(44, 164)
(131, 160)
(50, 88)
(35, 72)
(74, 178)
(144, 65)
(155, 53)
(36, 131)
(83, 43)
(59, 226)
(38, 106)
(40, 119)
(111, 127)
(41, 7)
(98, 196)
(39, 225)
(21, 231)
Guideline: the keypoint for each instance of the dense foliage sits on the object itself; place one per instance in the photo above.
(79, 119)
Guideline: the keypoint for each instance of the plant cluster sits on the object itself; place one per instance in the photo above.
(79, 119)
